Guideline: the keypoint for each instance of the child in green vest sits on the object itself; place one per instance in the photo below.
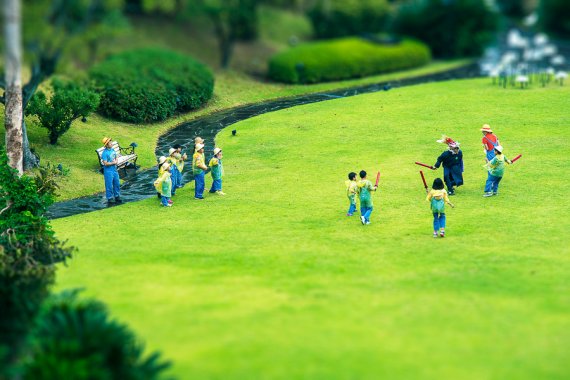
(496, 169)
(365, 187)
(164, 185)
(351, 192)
(217, 171)
(437, 197)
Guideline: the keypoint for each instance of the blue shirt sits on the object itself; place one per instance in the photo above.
(108, 155)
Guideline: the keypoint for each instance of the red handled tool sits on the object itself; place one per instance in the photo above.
(377, 179)
(516, 158)
(427, 166)
(424, 181)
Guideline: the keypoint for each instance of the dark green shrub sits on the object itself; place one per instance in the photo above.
(150, 85)
(555, 17)
(76, 339)
(339, 18)
(456, 28)
(28, 250)
(513, 8)
(344, 58)
(69, 102)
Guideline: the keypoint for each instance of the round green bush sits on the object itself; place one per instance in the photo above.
(150, 85)
(343, 59)
(339, 18)
(459, 28)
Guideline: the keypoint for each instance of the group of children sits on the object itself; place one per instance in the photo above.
(438, 196)
(170, 172)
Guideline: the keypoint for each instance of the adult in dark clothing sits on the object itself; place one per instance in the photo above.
(452, 162)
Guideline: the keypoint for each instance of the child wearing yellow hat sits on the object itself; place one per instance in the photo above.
(217, 171)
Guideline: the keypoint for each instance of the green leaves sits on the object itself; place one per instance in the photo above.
(69, 102)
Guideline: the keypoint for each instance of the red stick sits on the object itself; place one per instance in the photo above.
(516, 158)
(424, 180)
(377, 179)
(427, 166)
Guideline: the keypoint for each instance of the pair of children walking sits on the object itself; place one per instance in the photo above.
(363, 190)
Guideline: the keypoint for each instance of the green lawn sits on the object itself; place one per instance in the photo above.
(273, 281)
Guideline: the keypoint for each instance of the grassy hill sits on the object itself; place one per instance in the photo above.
(274, 281)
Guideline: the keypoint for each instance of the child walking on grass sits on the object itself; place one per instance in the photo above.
(437, 197)
(164, 185)
(365, 187)
(351, 191)
(496, 169)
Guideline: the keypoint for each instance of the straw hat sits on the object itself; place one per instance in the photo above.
(486, 128)
(499, 148)
(199, 146)
(216, 151)
(105, 140)
(198, 140)
(170, 151)
(161, 160)
(165, 166)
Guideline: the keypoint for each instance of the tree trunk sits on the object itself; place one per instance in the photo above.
(13, 94)
(31, 160)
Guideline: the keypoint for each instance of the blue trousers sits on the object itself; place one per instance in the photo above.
(175, 178)
(365, 212)
(492, 183)
(164, 200)
(112, 183)
(216, 185)
(351, 209)
(438, 220)
(199, 181)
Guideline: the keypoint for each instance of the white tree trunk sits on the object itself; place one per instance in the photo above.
(13, 92)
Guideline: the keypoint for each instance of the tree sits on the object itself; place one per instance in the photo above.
(51, 25)
(68, 102)
(12, 97)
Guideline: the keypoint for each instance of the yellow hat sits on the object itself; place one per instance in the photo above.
(486, 128)
(105, 140)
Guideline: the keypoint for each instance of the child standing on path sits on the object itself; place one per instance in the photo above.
(164, 185)
(437, 197)
(199, 170)
(181, 158)
(173, 160)
(364, 189)
(496, 171)
(351, 191)
(217, 171)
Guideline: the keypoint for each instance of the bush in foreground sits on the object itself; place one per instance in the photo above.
(76, 339)
(149, 85)
(345, 58)
(339, 18)
(459, 28)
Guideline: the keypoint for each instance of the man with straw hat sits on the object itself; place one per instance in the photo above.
(490, 142)
(110, 173)
(199, 170)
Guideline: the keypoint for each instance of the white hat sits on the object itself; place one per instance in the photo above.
(165, 166)
(499, 148)
(216, 151)
(198, 140)
(161, 160)
(199, 146)
(170, 151)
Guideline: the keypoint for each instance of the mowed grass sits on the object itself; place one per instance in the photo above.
(273, 281)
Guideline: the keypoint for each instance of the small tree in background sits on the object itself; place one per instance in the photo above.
(68, 102)
(76, 339)
(555, 17)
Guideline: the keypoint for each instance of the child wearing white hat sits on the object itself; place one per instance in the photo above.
(496, 169)
(163, 185)
(217, 171)
(174, 159)
(199, 170)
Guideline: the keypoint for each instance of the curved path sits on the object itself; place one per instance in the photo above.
(140, 186)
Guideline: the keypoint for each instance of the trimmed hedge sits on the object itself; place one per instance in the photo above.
(149, 85)
(340, 18)
(345, 58)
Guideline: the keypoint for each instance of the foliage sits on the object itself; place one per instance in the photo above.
(513, 8)
(344, 58)
(338, 18)
(69, 101)
(555, 17)
(28, 250)
(149, 85)
(451, 28)
(76, 339)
